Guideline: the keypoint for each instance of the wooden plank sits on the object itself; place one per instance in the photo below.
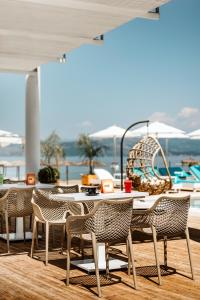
(23, 278)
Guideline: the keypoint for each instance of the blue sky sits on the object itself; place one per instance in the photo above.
(144, 69)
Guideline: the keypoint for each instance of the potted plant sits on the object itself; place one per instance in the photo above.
(89, 150)
(48, 174)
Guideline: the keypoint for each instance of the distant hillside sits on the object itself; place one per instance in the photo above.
(175, 146)
(12, 150)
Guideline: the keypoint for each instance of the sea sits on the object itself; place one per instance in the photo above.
(74, 172)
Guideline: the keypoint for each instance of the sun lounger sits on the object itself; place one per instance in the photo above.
(104, 174)
(196, 171)
(175, 172)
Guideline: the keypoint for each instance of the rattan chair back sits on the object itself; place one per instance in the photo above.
(46, 209)
(110, 220)
(168, 215)
(141, 167)
(17, 202)
(49, 209)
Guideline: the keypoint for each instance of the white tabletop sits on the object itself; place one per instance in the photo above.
(24, 186)
(140, 202)
(101, 196)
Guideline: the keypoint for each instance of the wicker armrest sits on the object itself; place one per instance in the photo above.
(3, 201)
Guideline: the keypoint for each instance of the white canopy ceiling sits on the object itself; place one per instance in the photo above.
(34, 32)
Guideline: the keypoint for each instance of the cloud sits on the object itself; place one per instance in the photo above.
(161, 117)
(188, 118)
(85, 124)
(188, 112)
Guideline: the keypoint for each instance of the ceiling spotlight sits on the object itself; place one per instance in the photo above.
(99, 38)
(63, 59)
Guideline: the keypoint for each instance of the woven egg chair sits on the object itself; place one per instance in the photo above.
(141, 167)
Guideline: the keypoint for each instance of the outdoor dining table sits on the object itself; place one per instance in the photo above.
(114, 264)
(19, 234)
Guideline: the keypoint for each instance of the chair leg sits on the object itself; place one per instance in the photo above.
(30, 221)
(165, 251)
(36, 236)
(33, 236)
(189, 251)
(94, 246)
(81, 246)
(53, 235)
(7, 232)
(37, 232)
(156, 254)
(130, 247)
(68, 258)
(128, 255)
(107, 260)
(24, 228)
(47, 244)
(2, 223)
(62, 238)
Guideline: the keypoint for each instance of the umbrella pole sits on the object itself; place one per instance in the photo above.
(166, 151)
(18, 172)
(67, 174)
(114, 149)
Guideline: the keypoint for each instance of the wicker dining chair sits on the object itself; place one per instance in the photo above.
(49, 211)
(16, 203)
(109, 223)
(167, 218)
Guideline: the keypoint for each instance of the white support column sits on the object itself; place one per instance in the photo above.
(32, 111)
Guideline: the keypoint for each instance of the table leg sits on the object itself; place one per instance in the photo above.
(19, 234)
(88, 264)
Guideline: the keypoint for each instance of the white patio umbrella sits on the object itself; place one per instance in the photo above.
(7, 138)
(160, 130)
(112, 132)
(194, 135)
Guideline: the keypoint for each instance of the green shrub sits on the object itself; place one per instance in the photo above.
(48, 175)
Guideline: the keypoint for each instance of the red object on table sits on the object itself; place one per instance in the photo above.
(128, 185)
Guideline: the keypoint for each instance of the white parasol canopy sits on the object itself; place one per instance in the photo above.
(194, 135)
(7, 138)
(160, 130)
(112, 132)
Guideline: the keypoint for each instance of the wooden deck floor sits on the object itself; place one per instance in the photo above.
(23, 278)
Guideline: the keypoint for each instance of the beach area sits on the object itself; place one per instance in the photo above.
(74, 172)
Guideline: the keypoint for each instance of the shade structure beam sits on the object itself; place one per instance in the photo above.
(35, 32)
(32, 122)
(107, 8)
